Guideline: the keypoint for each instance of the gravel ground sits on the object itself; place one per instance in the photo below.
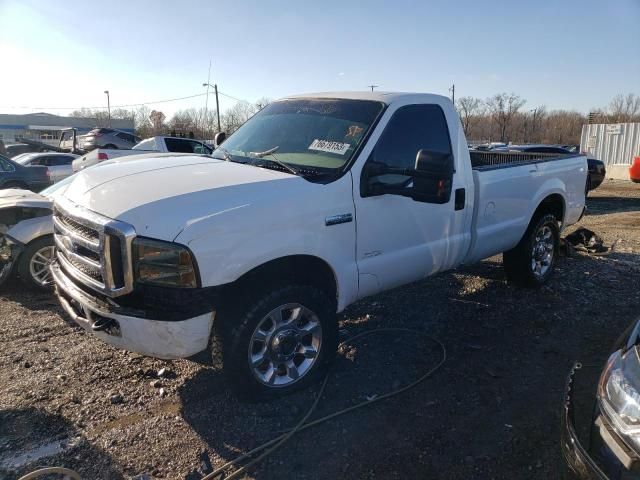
(492, 410)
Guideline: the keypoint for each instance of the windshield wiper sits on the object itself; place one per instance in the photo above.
(275, 160)
(226, 155)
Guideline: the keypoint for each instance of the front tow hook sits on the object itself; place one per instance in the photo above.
(103, 324)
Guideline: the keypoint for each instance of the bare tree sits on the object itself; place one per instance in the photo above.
(624, 108)
(503, 107)
(142, 121)
(237, 115)
(468, 108)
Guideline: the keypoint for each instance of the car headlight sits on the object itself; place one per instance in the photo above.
(163, 263)
(619, 394)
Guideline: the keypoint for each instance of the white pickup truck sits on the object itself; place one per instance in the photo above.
(315, 202)
(160, 144)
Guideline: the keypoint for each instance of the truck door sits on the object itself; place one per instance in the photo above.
(400, 239)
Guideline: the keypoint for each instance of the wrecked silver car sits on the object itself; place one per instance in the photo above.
(26, 235)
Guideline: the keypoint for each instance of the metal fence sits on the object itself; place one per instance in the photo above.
(613, 143)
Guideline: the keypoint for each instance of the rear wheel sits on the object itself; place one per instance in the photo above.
(34, 263)
(532, 261)
(282, 342)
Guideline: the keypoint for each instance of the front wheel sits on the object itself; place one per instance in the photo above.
(282, 342)
(34, 263)
(532, 261)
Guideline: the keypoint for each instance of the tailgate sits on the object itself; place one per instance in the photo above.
(98, 155)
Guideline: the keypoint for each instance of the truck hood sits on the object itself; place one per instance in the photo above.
(161, 196)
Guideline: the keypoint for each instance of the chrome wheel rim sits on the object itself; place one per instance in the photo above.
(542, 252)
(285, 345)
(39, 266)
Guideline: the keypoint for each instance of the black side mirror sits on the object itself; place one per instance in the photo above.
(219, 138)
(434, 176)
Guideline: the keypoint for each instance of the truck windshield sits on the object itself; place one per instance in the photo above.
(318, 134)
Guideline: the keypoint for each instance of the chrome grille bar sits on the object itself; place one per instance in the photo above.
(85, 243)
(78, 238)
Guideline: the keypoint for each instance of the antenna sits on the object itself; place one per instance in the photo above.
(372, 87)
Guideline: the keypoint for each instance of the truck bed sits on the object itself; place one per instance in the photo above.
(510, 186)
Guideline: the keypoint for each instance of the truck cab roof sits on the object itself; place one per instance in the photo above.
(379, 96)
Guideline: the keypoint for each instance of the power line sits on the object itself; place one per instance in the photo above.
(231, 97)
(123, 106)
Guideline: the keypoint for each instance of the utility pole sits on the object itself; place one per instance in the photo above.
(108, 107)
(533, 121)
(372, 87)
(453, 94)
(206, 102)
(215, 87)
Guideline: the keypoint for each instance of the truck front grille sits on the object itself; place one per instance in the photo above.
(93, 249)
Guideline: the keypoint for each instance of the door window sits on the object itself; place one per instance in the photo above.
(411, 128)
(58, 160)
(179, 145)
(6, 166)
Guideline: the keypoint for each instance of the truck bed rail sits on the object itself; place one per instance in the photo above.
(491, 160)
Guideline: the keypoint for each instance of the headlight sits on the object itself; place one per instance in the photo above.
(619, 394)
(163, 263)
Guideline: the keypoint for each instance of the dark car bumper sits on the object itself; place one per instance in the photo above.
(596, 179)
(39, 186)
(605, 458)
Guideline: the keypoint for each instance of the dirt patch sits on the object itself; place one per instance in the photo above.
(492, 411)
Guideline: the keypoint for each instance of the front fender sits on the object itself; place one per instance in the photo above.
(228, 245)
(28, 230)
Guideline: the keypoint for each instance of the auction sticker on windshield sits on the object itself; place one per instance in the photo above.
(330, 147)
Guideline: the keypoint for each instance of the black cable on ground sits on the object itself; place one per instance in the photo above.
(280, 440)
(272, 445)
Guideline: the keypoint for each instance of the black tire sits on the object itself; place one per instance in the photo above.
(111, 146)
(24, 262)
(235, 336)
(518, 262)
(587, 187)
(15, 185)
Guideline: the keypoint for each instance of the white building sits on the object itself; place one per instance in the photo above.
(616, 144)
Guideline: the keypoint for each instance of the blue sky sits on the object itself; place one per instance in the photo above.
(573, 54)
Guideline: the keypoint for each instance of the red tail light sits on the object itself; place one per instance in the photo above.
(102, 156)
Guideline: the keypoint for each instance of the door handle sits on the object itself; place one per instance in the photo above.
(460, 198)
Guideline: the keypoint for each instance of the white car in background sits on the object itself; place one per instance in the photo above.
(59, 164)
(160, 143)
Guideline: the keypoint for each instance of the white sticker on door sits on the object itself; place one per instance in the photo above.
(331, 147)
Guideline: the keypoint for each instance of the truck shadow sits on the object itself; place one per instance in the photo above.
(612, 204)
(36, 300)
(31, 438)
(509, 350)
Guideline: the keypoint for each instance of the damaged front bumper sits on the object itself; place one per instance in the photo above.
(10, 250)
(162, 337)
